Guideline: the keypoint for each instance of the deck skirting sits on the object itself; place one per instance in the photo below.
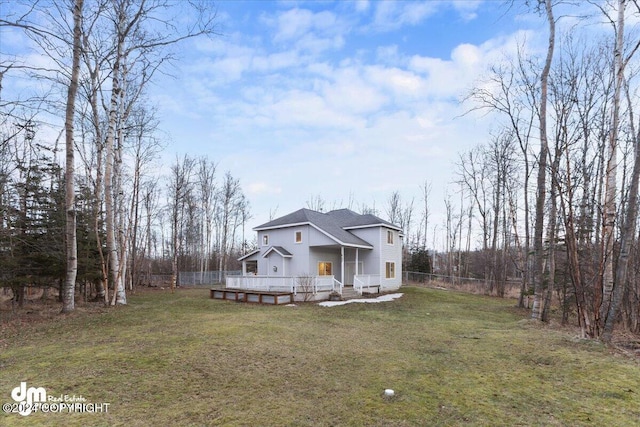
(259, 297)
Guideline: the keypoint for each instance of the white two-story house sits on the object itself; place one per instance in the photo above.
(331, 250)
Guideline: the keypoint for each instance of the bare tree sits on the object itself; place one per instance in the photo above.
(207, 191)
(627, 234)
(230, 207)
(135, 41)
(316, 203)
(474, 176)
(55, 40)
(539, 277)
(145, 148)
(180, 188)
(426, 192)
(394, 208)
(68, 302)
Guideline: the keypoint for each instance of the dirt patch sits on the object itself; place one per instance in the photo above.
(38, 308)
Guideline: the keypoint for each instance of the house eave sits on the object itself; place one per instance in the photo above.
(276, 227)
(278, 251)
(355, 227)
(249, 255)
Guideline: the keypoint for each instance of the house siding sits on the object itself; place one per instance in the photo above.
(390, 253)
(319, 254)
(285, 237)
(370, 258)
(376, 259)
(302, 258)
(317, 238)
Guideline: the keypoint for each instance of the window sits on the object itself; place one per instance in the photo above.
(324, 269)
(390, 237)
(298, 236)
(391, 270)
(265, 240)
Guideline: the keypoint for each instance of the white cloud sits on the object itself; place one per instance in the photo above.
(307, 30)
(388, 54)
(300, 108)
(467, 9)
(400, 83)
(292, 24)
(362, 5)
(258, 188)
(314, 116)
(275, 61)
(349, 92)
(391, 15)
(466, 55)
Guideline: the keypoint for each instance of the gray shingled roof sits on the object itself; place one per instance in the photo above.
(335, 223)
(279, 249)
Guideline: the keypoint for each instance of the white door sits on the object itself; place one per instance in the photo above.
(350, 271)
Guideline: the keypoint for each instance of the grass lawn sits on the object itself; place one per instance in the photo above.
(183, 359)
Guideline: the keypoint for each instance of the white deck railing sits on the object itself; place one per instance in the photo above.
(324, 284)
(292, 284)
(362, 282)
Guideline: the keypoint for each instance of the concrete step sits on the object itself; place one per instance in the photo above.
(349, 293)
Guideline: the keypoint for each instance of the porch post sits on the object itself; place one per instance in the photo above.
(244, 267)
(357, 263)
(342, 264)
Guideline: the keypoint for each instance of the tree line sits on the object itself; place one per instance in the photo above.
(550, 198)
(80, 201)
(553, 192)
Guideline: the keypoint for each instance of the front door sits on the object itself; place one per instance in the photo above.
(350, 271)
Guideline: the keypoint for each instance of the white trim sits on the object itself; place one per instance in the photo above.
(329, 235)
(250, 254)
(391, 226)
(276, 227)
(273, 249)
(385, 270)
(342, 264)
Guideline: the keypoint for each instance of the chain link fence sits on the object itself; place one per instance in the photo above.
(467, 284)
(204, 278)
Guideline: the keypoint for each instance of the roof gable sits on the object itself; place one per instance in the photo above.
(279, 250)
(249, 255)
(335, 224)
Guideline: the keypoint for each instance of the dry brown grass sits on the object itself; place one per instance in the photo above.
(184, 359)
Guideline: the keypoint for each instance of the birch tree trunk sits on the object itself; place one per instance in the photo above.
(609, 209)
(92, 62)
(540, 282)
(626, 239)
(68, 301)
(110, 213)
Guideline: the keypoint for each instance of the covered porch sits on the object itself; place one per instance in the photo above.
(308, 287)
(310, 274)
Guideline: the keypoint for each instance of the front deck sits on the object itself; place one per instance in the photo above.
(302, 288)
(259, 297)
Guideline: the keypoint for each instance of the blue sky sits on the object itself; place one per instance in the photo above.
(344, 100)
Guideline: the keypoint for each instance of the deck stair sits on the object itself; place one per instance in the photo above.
(349, 293)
